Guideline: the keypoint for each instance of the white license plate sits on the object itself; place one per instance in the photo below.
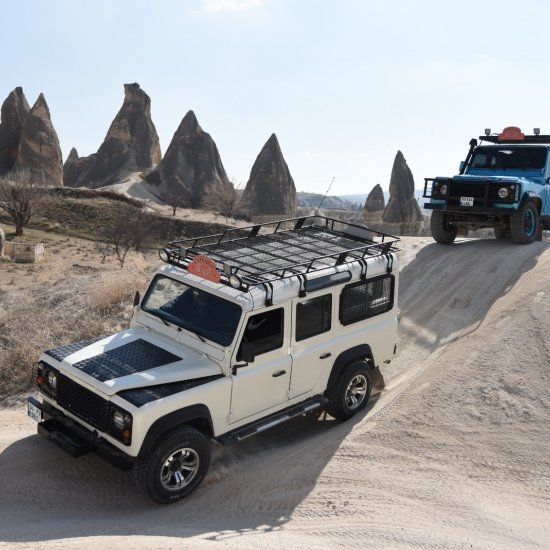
(34, 412)
(466, 201)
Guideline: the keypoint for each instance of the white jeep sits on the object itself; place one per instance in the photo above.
(237, 333)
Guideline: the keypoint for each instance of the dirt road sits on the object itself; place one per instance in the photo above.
(453, 453)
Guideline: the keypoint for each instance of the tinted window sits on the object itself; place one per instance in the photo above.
(265, 331)
(366, 299)
(313, 317)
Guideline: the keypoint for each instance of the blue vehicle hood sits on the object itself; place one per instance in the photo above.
(531, 176)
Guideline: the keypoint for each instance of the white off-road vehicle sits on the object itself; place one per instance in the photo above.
(239, 332)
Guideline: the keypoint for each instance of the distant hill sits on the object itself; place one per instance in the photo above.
(345, 202)
(313, 200)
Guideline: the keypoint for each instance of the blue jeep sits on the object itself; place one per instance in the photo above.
(504, 185)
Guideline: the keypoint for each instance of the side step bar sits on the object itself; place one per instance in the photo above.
(272, 420)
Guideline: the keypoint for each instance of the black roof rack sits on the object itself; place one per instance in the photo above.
(263, 253)
(528, 139)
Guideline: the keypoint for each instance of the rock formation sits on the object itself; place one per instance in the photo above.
(12, 117)
(270, 191)
(191, 170)
(39, 151)
(75, 166)
(131, 144)
(402, 213)
(374, 206)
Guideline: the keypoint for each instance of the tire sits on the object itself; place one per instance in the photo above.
(442, 232)
(352, 391)
(175, 467)
(501, 232)
(524, 224)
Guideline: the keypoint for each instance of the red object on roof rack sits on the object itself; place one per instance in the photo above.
(511, 133)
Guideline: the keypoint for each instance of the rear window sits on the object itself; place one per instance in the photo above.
(366, 299)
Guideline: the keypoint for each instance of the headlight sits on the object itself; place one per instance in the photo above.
(443, 189)
(503, 192)
(52, 380)
(121, 425)
(118, 420)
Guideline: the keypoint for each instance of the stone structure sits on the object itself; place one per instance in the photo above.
(131, 145)
(402, 214)
(270, 191)
(374, 206)
(12, 117)
(191, 170)
(39, 151)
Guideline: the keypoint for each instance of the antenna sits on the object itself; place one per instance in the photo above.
(323, 199)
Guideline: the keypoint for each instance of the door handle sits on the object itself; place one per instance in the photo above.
(278, 373)
(325, 355)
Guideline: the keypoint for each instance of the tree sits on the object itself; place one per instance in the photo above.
(130, 227)
(222, 199)
(20, 196)
(174, 200)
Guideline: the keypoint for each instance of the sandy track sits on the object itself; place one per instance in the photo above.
(453, 453)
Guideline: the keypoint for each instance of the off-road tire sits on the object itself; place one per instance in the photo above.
(152, 475)
(524, 224)
(442, 232)
(341, 404)
(501, 232)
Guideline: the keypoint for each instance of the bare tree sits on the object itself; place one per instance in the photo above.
(222, 199)
(129, 228)
(20, 196)
(174, 200)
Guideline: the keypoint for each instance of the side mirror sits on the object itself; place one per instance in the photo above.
(461, 167)
(137, 298)
(247, 352)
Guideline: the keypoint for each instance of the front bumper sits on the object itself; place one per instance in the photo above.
(502, 211)
(74, 438)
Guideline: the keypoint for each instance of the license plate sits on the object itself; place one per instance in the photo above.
(466, 201)
(34, 412)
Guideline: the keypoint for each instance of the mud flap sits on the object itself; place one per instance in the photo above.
(378, 378)
(539, 233)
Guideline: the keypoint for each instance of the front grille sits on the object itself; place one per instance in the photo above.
(484, 192)
(83, 403)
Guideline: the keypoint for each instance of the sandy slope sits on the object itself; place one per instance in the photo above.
(453, 453)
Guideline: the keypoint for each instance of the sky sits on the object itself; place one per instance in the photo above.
(344, 84)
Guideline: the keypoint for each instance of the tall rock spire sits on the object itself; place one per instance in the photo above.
(39, 150)
(192, 168)
(402, 209)
(131, 144)
(12, 117)
(270, 190)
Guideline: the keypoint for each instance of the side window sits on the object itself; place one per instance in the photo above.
(265, 331)
(366, 299)
(313, 317)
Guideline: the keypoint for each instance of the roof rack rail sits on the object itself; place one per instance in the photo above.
(263, 253)
(543, 139)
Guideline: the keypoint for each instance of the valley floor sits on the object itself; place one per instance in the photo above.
(453, 453)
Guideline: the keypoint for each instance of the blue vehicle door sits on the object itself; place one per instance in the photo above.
(545, 211)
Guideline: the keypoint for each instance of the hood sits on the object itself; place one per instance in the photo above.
(130, 359)
(485, 176)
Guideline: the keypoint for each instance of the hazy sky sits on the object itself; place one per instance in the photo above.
(344, 84)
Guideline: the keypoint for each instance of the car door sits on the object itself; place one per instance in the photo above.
(263, 383)
(311, 342)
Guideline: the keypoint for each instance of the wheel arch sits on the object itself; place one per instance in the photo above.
(530, 196)
(196, 416)
(363, 351)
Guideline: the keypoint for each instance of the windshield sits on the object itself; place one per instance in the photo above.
(195, 310)
(509, 158)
